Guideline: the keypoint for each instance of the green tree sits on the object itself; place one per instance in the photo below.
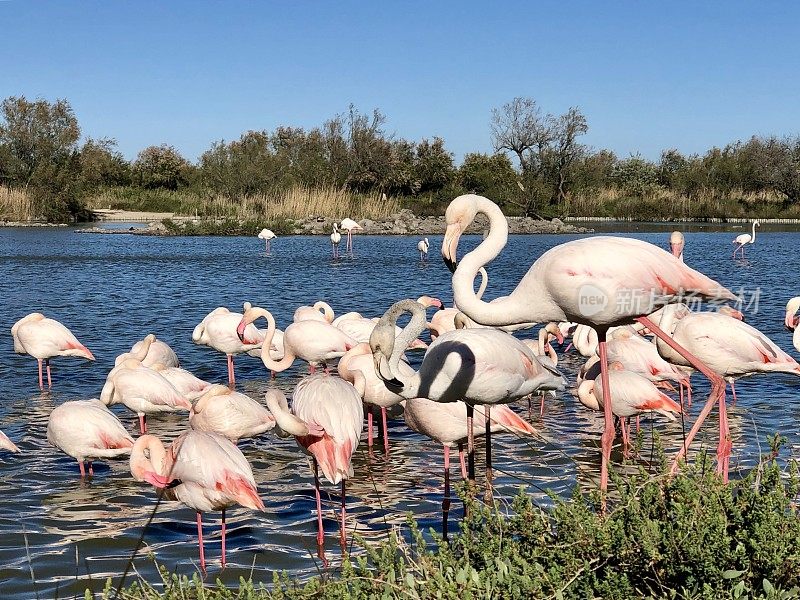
(161, 167)
(433, 165)
(102, 165)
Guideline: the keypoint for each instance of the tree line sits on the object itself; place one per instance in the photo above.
(539, 167)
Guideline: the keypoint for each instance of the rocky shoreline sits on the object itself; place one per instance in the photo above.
(404, 222)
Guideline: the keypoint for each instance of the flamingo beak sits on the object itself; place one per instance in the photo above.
(240, 330)
(157, 480)
(677, 249)
(559, 337)
(450, 245)
(791, 321)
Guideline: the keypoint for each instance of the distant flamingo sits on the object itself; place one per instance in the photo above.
(150, 351)
(631, 394)
(204, 471)
(584, 281)
(266, 235)
(218, 330)
(230, 414)
(7, 444)
(312, 313)
(336, 237)
(86, 429)
(745, 238)
(423, 246)
(350, 225)
(312, 341)
(142, 390)
(326, 419)
(45, 338)
(478, 366)
(791, 321)
(676, 244)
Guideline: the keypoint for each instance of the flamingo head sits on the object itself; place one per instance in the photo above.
(381, 343)
(586, 395)
(553, 329)
(676, 243)
(458, 216)
(428, 301)
(791, 321)
(148, 461)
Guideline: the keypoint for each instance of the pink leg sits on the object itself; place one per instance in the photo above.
(470, 445)
(49, 378)
(689, 394)
(487, 496)
(385, 431)
(369, 426)
(446, 499)
(624, 426)
(272, 375)
(142, 424)
(530, 405)
(83, 471)
(637, 424)
(91, 470)
(320, 531)
(541, 408)
(231, 374)
(462, 461)
(717, 386)
(607, 438)
(41, 383)
(223, 535)
(733, 390)
(343, 528)
(200, 541)
(724, 447)
(311, 368)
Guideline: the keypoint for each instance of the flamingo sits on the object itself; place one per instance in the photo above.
(326, 419)
(188, 386)
(150, 351)
(360, 328)
(631, 394)
(312, 341)
(203, 471)
(45, 338)
(312, 313)
(423, 246)
(478, 366)
(218, 330)
(745, 238)
(7, 444)
(446, 423)
(791, 321)
(336, 237)
(588, 281)
(676, 244)
(444, 319)
(730, 348)
(85, 430)
(142, 390)
(350, 225)
(230, 414)
(266, 235)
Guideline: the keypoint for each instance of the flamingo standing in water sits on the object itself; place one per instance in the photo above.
(150, 351)
(350, 225)
(230, 414)
(336, 237)
(583, 281)
(478, 366)
(791, 321)
(423, 246)
(266, 235)
(676, 244)
(326, 419)
(313, 341)
(744, 239)
(85, 430)
(7, 444)
(45, 338)
(204, 471)
(320, 311)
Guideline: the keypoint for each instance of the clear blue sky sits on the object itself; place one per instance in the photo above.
(648, 75)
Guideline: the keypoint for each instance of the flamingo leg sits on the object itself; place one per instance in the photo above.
(49, 379)
(487, 495)
(724, 447)
(311, 368)
(541, 408)
(717, 386)
(637, 424)
(470, 445)
(142, 423)
(83, 471)
(223, 532)
(200, 541)
(91, 470)
(41, 383)
(461, 460)
(385, 431)
(446, 499)
(624, 426)
(343, 529)
(733, 390)
(530, 403)
(607, 438)
(231, 375)
(320, 532)
(369, 427)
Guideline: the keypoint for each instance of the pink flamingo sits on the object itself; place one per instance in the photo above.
(7, 444)
(791, 321)
(150, 351)
(349, 225)
(478, 366)
(360, 328)
(142, 390)
(188, 386)
(320, 311)
(313, 341)
(203, 471)
(45, 338)
(230, 414)
(585, 281)
(336, 237)
(745, 239)
(218, 330)
(85, 430)
(631, 394)
(326, 419)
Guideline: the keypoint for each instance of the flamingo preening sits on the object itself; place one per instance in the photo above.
(423, 246)
(744, 239)
(266, 235)
(44, 339)
(203, 471)
(588, 281)
(230, 414)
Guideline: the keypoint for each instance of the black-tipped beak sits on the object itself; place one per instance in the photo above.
(451, 264)
(394, 384)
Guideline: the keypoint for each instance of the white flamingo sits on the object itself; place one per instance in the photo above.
(350, 225)
(423, 246)
(744, 239)
(266, 235)
(231, 414)
(150, 351)
(336, 237)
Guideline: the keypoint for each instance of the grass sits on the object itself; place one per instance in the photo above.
(16, 205)
(690, 536)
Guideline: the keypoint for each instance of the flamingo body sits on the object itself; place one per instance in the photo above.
(230, 414)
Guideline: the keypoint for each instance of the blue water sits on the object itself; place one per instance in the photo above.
(111, 290)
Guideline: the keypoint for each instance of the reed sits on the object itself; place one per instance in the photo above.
(17, 205)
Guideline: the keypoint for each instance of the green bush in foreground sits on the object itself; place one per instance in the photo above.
(689, 536)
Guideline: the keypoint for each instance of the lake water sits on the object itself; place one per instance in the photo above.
(111, 290)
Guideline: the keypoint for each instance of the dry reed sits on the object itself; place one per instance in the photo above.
(16, 205)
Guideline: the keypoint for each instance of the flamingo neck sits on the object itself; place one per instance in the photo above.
(409, 333)
(753, 240)
(288, 355)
